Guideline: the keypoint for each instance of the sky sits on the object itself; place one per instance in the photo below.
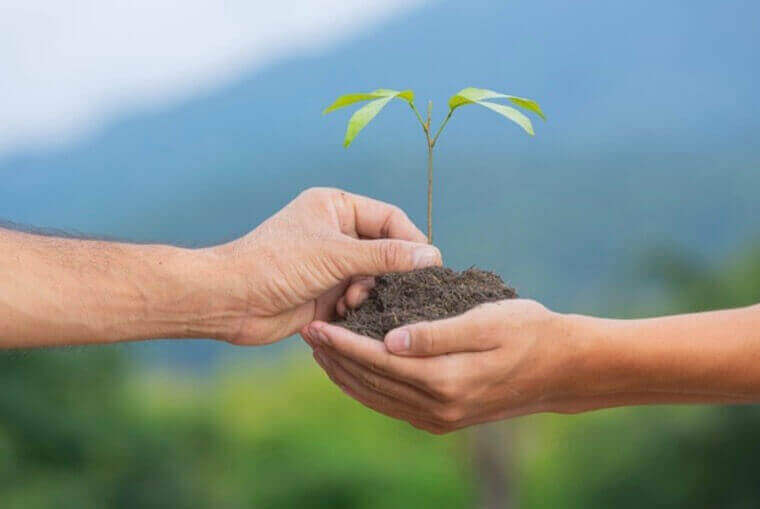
(68, 67)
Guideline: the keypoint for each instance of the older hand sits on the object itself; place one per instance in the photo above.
(495, 361)
(295, 266)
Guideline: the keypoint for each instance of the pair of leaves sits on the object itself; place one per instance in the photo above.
(364, 115)
(379, 98)
(472, 95)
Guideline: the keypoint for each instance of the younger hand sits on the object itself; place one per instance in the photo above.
(496, 361)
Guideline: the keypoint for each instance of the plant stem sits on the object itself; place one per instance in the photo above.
(430, 143)
(419, 117)
(440, 129)
(431, 140)
(430, 195)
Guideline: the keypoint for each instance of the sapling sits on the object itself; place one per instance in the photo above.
(380, 97)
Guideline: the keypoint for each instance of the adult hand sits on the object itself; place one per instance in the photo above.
(297, 265)
(495, 361)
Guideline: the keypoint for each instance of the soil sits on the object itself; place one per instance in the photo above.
(425, 294)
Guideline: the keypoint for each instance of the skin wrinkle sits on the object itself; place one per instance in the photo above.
(272, 282)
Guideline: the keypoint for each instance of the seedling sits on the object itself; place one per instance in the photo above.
(380, 97)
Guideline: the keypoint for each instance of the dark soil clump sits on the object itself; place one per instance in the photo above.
(425, 294)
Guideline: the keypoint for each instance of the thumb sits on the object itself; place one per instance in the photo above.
(375, 257)
(472, 331)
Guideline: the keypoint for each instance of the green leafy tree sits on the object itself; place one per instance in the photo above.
(382, 96)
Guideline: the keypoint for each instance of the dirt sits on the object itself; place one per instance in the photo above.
(425, 294)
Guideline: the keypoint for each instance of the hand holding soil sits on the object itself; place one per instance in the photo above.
(495, 361)
(515, 357)
(260, 288)
(294, 267)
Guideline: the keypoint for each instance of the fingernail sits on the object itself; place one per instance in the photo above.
(425, 257)
(398, 340)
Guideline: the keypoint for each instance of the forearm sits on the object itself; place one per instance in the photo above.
(711, 357)
(56, 291)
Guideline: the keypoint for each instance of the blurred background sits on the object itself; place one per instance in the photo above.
(190, 122)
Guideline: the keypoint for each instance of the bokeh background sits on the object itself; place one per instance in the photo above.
(190, 122)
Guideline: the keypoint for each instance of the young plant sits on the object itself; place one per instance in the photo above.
(382, 96)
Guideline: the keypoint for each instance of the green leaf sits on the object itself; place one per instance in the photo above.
(472, 95)
(362, 117)
(349, 99)
(406, 95)
(511, 113)
(528, 104)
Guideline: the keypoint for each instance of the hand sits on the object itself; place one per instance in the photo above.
(295, 266)
(496, 361)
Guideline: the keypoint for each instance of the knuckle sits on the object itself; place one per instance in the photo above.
(307, 193)
(390, 254)
(397, 214)
(435, 381)
(423, 339)
(398, 211)
(318, 193)
(446, 385)
(449, 414)
(377, 365)
(449, 392)
(370, 380)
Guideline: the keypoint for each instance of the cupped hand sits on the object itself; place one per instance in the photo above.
(495, 361)
(295, 266)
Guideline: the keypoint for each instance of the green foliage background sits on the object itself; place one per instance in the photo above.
(86, 428)
(79, 428)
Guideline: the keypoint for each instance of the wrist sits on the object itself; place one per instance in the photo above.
(616, 358)
(587, 362)
(213, 295)
(185, 293)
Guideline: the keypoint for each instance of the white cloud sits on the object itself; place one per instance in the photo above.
(67, 66)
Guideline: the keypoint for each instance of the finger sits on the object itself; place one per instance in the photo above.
(474, 331)
(379, 220)
(375, 257)
(368, 401)
(304, 333)
(379, 402)
(376, 401)
(382, 384)
(341, 308)
(358, 291)
(326, 304)
(373, 355)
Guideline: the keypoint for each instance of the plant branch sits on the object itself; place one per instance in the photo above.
(440, 129)
(419, 117)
